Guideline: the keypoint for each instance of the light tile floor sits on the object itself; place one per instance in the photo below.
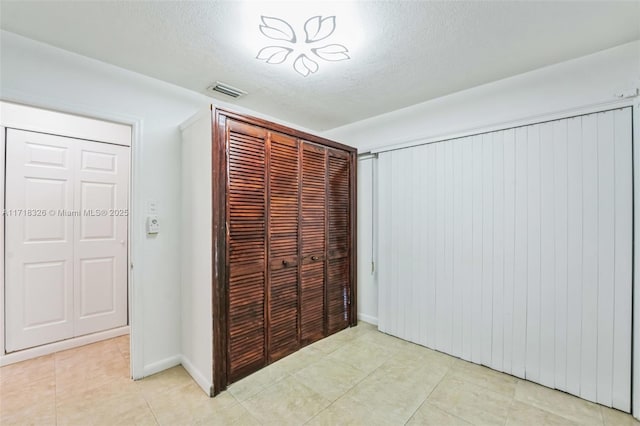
(358, 376)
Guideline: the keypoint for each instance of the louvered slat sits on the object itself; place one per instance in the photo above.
(313, 205)
(247, 256)
(338, 202)
(283, 246)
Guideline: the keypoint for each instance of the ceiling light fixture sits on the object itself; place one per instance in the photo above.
(306, 48)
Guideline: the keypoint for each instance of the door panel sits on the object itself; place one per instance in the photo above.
(313, 238)
(45, 293)
(247, 257)
(283, 245)
(101, 234)
(98, 196)
(549, 253)
(246, 323)
(39, 239)
(67, 251)
(51, 193)
(281, 240)
(96, 289)
(338, 197)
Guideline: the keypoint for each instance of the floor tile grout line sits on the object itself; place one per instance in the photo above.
(297, 380)
(513, 399)
(241, 403)
(259, 391)
(325, 355)
(428, 395)
(146, 401)
(367, 375)
(343, 394)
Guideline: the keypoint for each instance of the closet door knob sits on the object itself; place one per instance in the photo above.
(314, 257)
(285, 263)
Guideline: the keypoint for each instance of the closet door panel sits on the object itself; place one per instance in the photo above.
(338, 191)
(247, 257)
(283, 246)
(282, 219)
(313, 239)
(100, 254)
(561, 238)
(40, 176)
(246, 324)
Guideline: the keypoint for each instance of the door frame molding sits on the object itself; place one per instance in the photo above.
(635, 305)
(219, 237)
(81, 114)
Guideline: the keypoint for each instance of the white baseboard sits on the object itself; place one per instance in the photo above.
(197, 376)
(368, 318)
(63, 345)
(163, 364)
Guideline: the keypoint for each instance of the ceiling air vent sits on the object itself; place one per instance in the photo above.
(225, 89)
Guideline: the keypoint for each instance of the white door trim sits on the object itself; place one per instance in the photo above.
(136, 233)
(635, 360)
(38, 120)
(2, 314)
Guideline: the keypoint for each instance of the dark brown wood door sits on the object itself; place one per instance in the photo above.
(284, 238)
(338, 239)
(313, 239)
(247, 256)
(284, 186)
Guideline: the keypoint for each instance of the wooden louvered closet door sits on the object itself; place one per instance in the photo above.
(313, 233)
(284, 185)
(338, 250)
(283, 229)
(247, 257)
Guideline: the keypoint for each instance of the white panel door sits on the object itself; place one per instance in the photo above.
(100, 237)
(515, 252)
(39, 240)
(66, 239)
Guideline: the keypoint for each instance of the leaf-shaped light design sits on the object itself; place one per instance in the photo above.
(319, 28)
(304, 65)
(274, 54)
(277, 29)
(316, 28)
(332, 52)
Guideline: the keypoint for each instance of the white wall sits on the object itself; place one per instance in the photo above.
(41, 75)
(197, 250)
(367, 285)
(576, 83)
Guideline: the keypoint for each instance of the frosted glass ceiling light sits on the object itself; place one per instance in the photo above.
(306, 49)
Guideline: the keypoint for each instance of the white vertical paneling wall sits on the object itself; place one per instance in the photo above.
(513, 249)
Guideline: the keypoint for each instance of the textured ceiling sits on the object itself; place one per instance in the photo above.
(401, 53)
